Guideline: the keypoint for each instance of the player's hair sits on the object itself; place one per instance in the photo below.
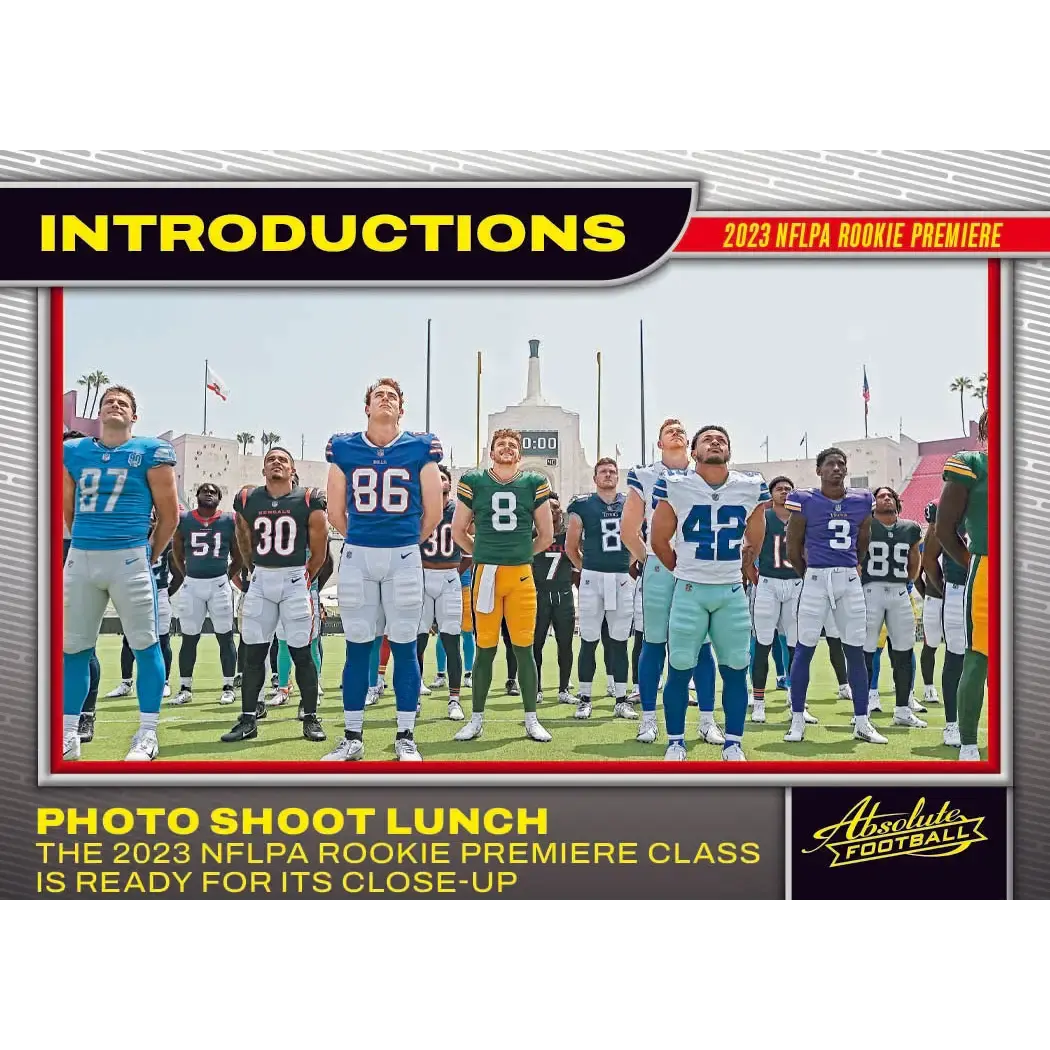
(982, 427)
(554, 496)
(72, 435)
(280, 448)
(505, 432)
(295, 479)
(666, 423)
(833, 450)
(704, 430)
(385, 381)
(892, 492)
(209, 485)
(445, 471)
(778, 479)
(605, 460)
(117, 389)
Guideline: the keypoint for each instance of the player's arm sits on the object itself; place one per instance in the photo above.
(462, 519)
(433, 499)
(236, 562)
(950, 511)
(244, 541)
(177, 560)
(318, 526)
(573, 539)
(754, 537)
(336, 490)
(796, 542)
(632, 521)
(913, 562)
(69, 498)
(162, 487)
(543, 519)
(176, 576)
(931, 563)
(863, 539)
(326, 570)
(664, 526)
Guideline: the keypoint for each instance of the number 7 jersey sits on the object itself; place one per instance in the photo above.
(711, 523)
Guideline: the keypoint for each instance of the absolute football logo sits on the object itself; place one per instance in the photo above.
(866, 833)
(836, 831)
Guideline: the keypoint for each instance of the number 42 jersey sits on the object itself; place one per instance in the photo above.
(711, 522)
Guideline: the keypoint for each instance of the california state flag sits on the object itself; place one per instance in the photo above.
(216, 385)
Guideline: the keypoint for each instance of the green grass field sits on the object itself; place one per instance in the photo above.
(191, 732)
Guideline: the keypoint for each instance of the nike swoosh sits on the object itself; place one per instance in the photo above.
(296, 579)
(902, 594)
(404, 556)
(851, 579)
(523, 579)
(737, 588)
(130, 561)
(624, 583)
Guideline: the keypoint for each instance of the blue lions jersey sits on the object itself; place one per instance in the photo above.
(383, 494)
(113, 501)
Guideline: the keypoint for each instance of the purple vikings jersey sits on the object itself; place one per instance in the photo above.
(832, 525)
(383, 493)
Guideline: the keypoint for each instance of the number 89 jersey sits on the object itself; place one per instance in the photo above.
(888, 550)
(384, 498)
(711, 523)
(603, 549)
(280, 525)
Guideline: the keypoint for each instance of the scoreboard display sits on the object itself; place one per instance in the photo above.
(540, 443)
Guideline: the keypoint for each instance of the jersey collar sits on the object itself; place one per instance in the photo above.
(372, 444)
(510, 481)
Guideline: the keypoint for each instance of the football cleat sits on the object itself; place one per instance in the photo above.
(440, 682)
(423, 690)
(372, 696)
(905, 716)
(534, 731)
(124, 689)
(951, 735)
(237, 679)
(144, 747)
(455, 712)
(228, 695)
(625, 709)
(513, 689)
(565, 697)
(809, 718)
(733, 753)
(468, 678)
(70, 746)
(874, 703)
(675, 752)
(915, 704)
(710, 733)
(647, 730)
(758, 712)
(969, 753)
(471, 731)
(405, 749)
(274, 680)
(320, 691)
(610, 687)
(635, 695)
(930, 695)
(244, 729)
(86, 728)
(381, 685)
(260, 711)
(183, 696)
(782, 682)
(167, 691)
(312, 729)
(583, 708)
(539, 698)
(350, 749)
(797, 733)
(279, 698)
(864, 730)
(845, 693)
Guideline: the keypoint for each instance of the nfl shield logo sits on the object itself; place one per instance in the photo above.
(838, 506)
(134, 459)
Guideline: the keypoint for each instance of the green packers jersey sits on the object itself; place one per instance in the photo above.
(970, 469)
(503, 514)
(888, 549)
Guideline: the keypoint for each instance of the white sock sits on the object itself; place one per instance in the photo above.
(187, 683)
(531, 719)
(227, 683)
(406, 721)
(149, 721)
(707, 718)
(354, 721)
(70, 723)
(620, 690)
(476, 718)
(585, 691)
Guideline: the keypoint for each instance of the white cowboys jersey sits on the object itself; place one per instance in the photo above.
(711, 523)
(643, 480)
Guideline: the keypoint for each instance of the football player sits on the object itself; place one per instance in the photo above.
(827, 538)
(511, 515)
(702, 520)
(555, 608)
(963, 508)
(384, 496)
(594, 545)
(111, 487)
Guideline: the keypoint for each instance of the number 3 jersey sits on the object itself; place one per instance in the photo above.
(384, 497)
(832, 525)
(113, 502)
(888, 550)
(711, 522)
(603, 550)
(438, 549)
(206, 544)
(503, 514)
(280, 525)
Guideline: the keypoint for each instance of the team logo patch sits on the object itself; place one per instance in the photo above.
(838, 506)
(134, 459)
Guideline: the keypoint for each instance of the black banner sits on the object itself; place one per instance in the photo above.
(414, 233)
(899, 843)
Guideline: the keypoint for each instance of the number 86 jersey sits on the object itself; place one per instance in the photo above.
(711, 523)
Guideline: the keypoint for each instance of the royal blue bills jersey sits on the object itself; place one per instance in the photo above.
(772, 561)
(383, 493)
(113, 502)
(206, 544)
(439, 549)
(832, 525)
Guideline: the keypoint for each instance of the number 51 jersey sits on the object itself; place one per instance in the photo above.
(384, 498)
(711, 522)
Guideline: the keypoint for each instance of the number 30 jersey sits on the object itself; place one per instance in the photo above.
(711, 522)
(384, 497)
(439, 549)
(832, 525)
(280, 525)
(503, 513)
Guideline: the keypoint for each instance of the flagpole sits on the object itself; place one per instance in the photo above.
(302, 446)
(205, 430)
(427, 426)
(477, 414)
(641, 379)
(598, 449)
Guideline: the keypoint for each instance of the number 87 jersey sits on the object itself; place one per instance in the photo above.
(384, 498)
(711, 523)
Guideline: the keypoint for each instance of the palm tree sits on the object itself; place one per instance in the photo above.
(99, 378)
(981, 391)
(269, 439)
(961, 384)
(245, 439)
(85, 381)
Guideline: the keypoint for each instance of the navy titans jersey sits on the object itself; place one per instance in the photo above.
(603, 549)
(773, 559)
(113, 502)
(438, 549)
(206, 544)
(383, 493)
(162, 569)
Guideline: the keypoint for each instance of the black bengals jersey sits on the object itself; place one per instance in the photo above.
(438, 550)
(551, 569)
(280, 525)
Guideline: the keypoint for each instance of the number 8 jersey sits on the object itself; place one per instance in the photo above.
(711, 522)
(832, 525)
(384, 498)
(503, 513)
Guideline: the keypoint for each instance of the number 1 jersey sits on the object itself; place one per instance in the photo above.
(711, 523)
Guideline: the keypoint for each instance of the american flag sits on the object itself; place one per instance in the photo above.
(866, 392)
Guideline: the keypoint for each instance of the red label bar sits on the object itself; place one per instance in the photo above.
(860, 235)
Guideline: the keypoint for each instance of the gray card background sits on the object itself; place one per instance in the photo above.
(905, 181)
